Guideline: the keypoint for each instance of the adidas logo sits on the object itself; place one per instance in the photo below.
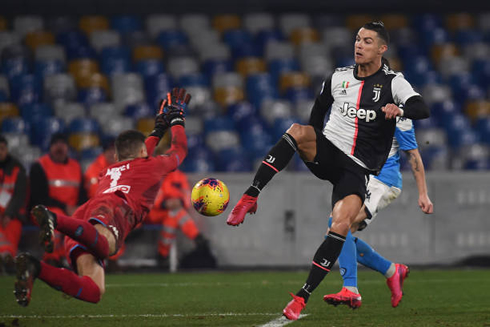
(344, 92)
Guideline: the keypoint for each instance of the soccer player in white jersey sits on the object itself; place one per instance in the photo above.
(381, 191)
(362, 101)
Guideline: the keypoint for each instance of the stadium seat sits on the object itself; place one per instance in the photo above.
(199, 160)
(83, 133)
(8, 38)
(443, 50)
(259, 21)
(43, 129)
(117, 125)
(233, 160)
(91, 95)
(225, 22)
(115, 60)
(127, 89)
(459, 21)
(356, 21)
(431, 137)
(95, 80)
(290, 21)
(436, 93)
(291, 79)
(39, 38)
(194, 125)
(60, 24)
(48, 67)
(147, 52)
(437, 35)
(25, 89)
(260, 87)
(157, 23)
(296, 94)
(15, 125)
(265, 37)
(279, 51)
(89, 24)
(81, 68)
(273, 109)
(194, 79)
(136, 39)
(105, 38)
(483, 129)
(149, 67)
(277, 67)
(3, 24)
(211, 67)
(140, 110)
(34, 112)
(236, 37)
(394, 21)
(241, 110)
(156, 88)
(15, 61)
(27, 23)
(194, 23)
(180, 66)
(250, 65)
(314, 61)
(69, 111)
(126, 24)
(17, 142)
(145, 125)
(8, 110)
(228, 95)
(172, 38)
(59, 87)
(4, 86)
(304, 35)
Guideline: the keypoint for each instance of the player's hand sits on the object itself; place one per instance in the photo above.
(174, 109)
(161, 125)
(425, 204)
(391, 111)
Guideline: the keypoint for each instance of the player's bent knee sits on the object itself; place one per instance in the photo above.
(111, 240)
(300, 132)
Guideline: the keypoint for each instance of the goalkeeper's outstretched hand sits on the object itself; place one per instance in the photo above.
(174, 107)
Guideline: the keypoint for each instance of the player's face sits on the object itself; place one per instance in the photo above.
(368, 47)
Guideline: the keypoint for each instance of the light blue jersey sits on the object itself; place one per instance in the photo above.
(404, 139)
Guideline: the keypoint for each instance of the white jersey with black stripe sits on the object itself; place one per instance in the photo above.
(357, 125)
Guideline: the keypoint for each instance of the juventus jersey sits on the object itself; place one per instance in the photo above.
(357, 125)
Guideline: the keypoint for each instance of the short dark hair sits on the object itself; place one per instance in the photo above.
(128, 143)
(378, 27)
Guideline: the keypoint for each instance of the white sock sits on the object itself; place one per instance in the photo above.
(391, 271)
(353, 289)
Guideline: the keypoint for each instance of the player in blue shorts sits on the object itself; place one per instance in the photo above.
(381, 191)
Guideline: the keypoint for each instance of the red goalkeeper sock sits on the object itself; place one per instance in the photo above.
(80, 287)
(84, 232)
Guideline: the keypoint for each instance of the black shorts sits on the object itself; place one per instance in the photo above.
(335, 166)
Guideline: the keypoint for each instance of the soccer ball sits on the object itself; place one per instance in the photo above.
(210, 197)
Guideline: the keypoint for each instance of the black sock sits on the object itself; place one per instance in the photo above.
(324, 259)
(275, 161)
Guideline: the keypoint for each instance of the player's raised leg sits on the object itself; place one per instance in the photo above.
(297, 138)
(395, 273)
(77, 229)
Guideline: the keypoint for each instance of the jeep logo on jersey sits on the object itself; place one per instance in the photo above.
(352, 112)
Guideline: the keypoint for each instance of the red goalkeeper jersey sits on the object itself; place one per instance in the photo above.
(138, 180)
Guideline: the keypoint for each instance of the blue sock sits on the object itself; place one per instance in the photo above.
(370, 258)
(347, 260)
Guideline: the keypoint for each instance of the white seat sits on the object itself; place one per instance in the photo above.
(453, 65)
(218, 51)
(480, 50)
(256, 22)
(59, 87)
(338, 37)
(69, 111)
(9, 38)
(270, 110)
(436, 93)
(28, 23)
(158, 23)
(204, 39)
(105, 38)
(303, 109)
(220, 140)
(227, 79)
(127, 89)
(290, 22)
(278, 50)
(484, 21)
(116, 125)
(102, 112)
(431, 137)
(194, 23)
(50, 52)
(314, 59)
(193, 124)
(200, 96)
(28, 156)
(180, 66)
(17, 142)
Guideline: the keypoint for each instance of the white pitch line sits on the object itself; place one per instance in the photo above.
(164, 315)
(281, 321)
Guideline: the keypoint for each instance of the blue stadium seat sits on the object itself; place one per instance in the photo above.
(149, 67)
(43, 129)
(241, 110)
(462, 138)
(426, 22)
(15, 125)
(245, 50)
(199, 160)
(195, 141)
(265, 36)
(156, 87)
(468, 36)
(438, 35)
(295, 94)
(407, 52)
(236, 37)
(194, 79)
(115, 60)
(34, 112)
(481, 72)
(213, 66)
(233, 160)
(126, 24)
(443, 111)
(279, 66)
(89, 154)
(170, 39)
(140, 110)
(15, 66)
(48, 67)
(91, 95)
(72, 39)
(431, 122)
(84, 125)
(483, 129)
(4, 96)
(25, 89)
(219, 123)
(281, 125)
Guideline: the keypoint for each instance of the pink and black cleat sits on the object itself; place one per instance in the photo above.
(247, 204)
(395, 283)
(346, 297)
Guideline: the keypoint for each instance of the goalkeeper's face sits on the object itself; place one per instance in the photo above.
(369, 48)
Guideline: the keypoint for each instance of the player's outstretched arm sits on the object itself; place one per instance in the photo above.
(418, 171)
(415, 108)
(174, 115)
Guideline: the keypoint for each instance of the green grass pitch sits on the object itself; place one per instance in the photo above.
(432, 298)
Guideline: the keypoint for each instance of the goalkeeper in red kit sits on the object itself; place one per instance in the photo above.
(125, 195)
